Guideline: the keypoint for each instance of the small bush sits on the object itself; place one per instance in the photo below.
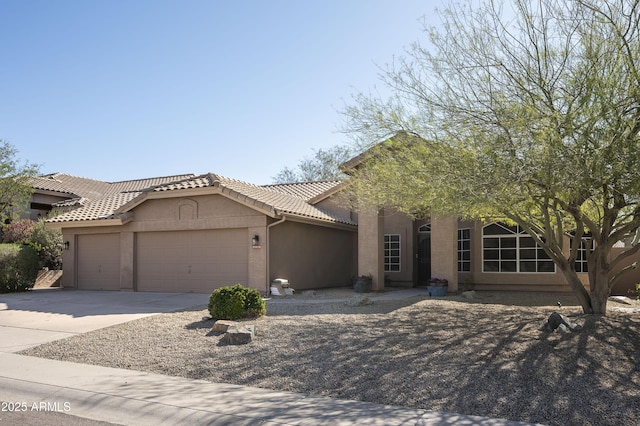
(18, 231)
(48, 243)
(234, 302)
(19, 267)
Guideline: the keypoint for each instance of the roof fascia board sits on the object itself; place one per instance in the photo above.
(91, 223)
(65, 194)
(317, 222)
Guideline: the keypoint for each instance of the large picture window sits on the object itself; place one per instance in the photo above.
(509, 249)
(392, 253)
(464, 250)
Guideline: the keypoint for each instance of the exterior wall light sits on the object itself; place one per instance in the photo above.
(255, 241)
(66, 245)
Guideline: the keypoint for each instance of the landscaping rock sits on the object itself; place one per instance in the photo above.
(359, 300)
(221, 326)
(240, 335)
(621, 299)
(560, 323)
(469, 294)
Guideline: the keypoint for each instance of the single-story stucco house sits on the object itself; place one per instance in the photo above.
(196, 233)
(189, 233)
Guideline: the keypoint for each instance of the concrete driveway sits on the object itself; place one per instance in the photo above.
(35, 317)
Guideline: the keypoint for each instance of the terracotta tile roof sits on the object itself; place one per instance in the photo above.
(304, 190)
(273, 199)
(101, 209)
(48, 183)
(92, 189)
(140, 184)
(78, 201)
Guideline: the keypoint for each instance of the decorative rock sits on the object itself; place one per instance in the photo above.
(221, 326)
(621, 299)
(469, 294)
(240, 335)
(358, 300)
(560, 323)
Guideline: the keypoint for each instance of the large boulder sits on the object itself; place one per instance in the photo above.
(238, 335)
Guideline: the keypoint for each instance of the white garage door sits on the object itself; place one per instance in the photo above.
(98, 262)
(191, 261)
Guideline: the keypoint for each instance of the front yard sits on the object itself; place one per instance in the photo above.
(483, 357)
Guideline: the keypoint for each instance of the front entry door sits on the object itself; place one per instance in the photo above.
(424, 258)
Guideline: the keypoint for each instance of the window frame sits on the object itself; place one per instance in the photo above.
(513, 248)
(462, 250)
(391, 246)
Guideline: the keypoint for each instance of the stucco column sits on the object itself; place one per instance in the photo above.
(371, 247)
(444, 249)
(69, 261)
(258, 259)
(126, 260)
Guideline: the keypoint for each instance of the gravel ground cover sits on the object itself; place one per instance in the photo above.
(484, 356)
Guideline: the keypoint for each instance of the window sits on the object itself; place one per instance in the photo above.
(392, 253)
(581, 260)
(464, 250)
(509, 249)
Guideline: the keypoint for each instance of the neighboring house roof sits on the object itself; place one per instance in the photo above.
(91, 189)
(274, 200)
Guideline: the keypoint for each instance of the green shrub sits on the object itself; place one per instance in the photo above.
(19, 267)
(48, 243)
(18, 231)
(234, 302)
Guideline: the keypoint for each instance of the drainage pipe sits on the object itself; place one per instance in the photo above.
(281, 221)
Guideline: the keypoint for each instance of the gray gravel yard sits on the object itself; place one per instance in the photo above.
(482, 357)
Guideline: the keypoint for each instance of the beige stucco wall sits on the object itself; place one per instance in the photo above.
(311, 256)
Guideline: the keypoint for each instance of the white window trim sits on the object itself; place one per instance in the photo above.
(387, 254)
(460, 251)
(517, 236)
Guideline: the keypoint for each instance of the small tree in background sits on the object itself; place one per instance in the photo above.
(15, 189)
(324, 165)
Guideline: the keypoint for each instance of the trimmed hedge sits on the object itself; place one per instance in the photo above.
(19, 265)
(234, 302)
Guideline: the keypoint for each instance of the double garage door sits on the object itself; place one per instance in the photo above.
(177, 261)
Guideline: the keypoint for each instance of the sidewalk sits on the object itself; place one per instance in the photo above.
(137, 398)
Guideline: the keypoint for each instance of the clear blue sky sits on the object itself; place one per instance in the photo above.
(126, 89)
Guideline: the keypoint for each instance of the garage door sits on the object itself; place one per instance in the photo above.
(191, 261)
(98, 262)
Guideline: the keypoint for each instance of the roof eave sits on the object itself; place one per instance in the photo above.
(122, 219)
(318, 222)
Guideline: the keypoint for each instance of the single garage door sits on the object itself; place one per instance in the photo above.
(191, 261)
(98, 262)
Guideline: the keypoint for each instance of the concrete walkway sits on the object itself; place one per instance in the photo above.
(64, 389)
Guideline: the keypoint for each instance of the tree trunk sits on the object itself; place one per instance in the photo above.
(599, 293)
(581, 293)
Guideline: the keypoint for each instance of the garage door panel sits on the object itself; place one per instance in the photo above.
(99, 262)
(191, 261)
